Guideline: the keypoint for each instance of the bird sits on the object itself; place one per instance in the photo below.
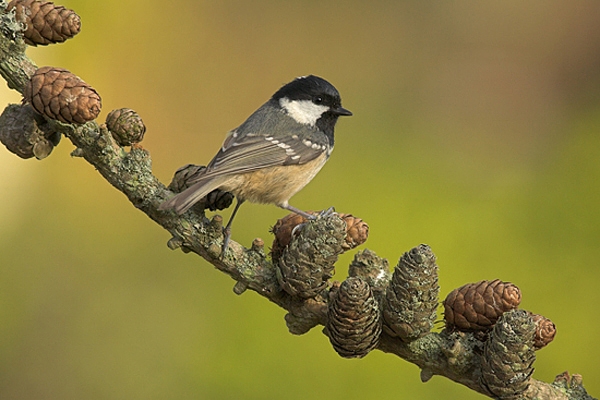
(274, 153)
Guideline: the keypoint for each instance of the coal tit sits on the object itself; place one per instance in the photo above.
(275, 152)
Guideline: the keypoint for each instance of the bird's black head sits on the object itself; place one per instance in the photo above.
(312, 100)
(314, 89)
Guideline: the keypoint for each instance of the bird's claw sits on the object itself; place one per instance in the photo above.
(323, 214)
(297, 228)
(327, 213)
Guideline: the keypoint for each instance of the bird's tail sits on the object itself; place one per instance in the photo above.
(190, 196)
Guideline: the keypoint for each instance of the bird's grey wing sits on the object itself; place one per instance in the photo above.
(250, 154)
(255, 150)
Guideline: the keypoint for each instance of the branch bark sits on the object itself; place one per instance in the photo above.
(455, 355)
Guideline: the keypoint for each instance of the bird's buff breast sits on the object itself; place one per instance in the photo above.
(274, 184)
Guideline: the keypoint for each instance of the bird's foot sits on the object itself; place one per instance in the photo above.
(327, 213)
(323, 214)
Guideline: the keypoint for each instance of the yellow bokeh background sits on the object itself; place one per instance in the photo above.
(476, 129)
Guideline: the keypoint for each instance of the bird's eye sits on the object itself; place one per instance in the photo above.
(318, 100)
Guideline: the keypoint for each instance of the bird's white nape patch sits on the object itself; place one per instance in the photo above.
(303, 111)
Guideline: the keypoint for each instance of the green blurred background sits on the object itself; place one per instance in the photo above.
(476, 129)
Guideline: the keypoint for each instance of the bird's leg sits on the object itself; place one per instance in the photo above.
(297, 211)
(227, 229)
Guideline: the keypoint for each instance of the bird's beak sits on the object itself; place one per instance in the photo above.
(341, 111)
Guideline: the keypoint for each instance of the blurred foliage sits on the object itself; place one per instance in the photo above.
(475, 130)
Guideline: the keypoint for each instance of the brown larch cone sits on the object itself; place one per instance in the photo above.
(508, 355)
(58, 94)
(477, 306)
(308, 261)
(545, 330)
(125, 126)
(411, 299)
(353, 319)
(216, 200)
(46, 22)
(21, 134)
(357, 232)
(283, 233)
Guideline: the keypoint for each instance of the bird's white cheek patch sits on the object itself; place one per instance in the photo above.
(303, 111)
